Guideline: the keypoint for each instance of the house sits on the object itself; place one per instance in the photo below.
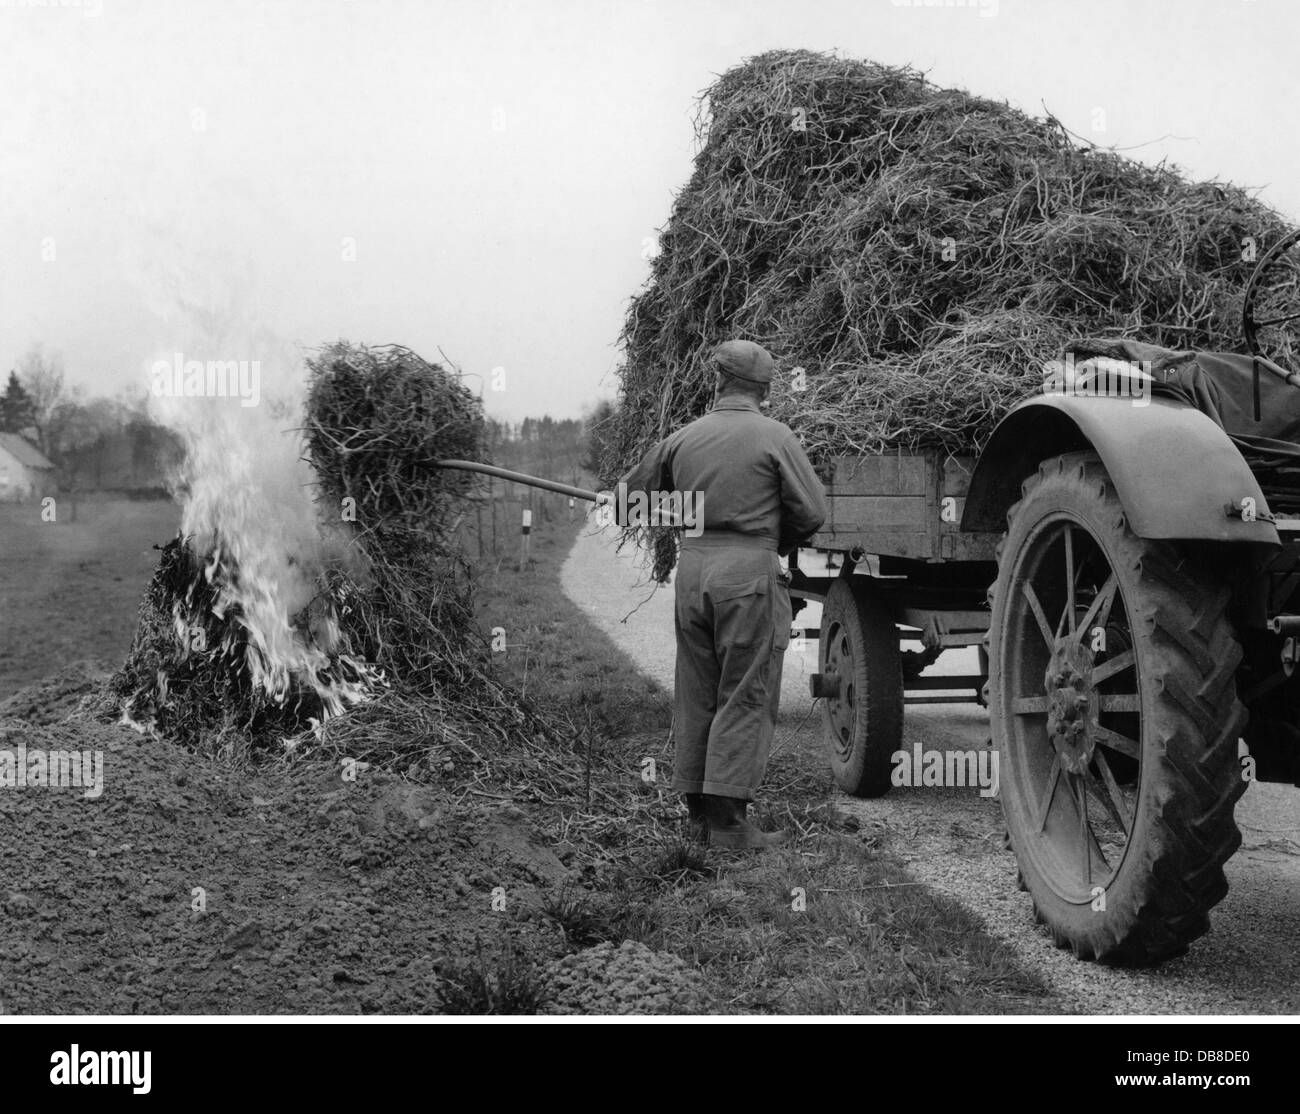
(24, 471)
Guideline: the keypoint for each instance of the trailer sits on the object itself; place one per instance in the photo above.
(907, 572)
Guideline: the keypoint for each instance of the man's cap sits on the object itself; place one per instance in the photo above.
(745, 360)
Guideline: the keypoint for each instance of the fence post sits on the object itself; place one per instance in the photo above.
(478, 512)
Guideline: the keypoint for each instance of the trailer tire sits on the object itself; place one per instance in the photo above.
(863, 721)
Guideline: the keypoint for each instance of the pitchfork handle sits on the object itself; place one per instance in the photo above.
(519, 478)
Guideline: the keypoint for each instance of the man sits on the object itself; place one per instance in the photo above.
(759, 498)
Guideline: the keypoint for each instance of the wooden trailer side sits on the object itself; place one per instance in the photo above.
(905, 505)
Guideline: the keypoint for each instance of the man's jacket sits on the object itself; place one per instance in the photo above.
(749, 471)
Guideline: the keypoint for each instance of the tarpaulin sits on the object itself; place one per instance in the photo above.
(1222, 386)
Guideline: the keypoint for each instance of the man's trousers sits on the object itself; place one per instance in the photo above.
(733, 626)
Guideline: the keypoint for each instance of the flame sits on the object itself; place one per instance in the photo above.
(262, 560)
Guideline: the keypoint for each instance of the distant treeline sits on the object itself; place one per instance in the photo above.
(94, 444)
(564, 449)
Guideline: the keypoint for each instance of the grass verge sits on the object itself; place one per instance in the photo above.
(833, 924)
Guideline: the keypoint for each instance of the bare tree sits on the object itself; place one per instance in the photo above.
(41, 375)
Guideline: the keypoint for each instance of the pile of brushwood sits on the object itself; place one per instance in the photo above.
(396, 646)
(919, 252)
(377, 419)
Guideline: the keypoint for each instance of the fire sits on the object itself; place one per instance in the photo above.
(250, 595)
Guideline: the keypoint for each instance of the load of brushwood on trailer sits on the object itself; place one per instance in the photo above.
(919, 252)
(259, 633)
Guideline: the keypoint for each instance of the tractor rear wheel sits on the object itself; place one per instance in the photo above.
(1115, 713)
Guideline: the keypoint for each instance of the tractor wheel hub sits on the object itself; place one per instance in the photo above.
(1071, 703)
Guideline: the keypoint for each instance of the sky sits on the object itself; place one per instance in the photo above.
(482, 179)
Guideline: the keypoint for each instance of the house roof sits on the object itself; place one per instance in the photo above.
(23, 451)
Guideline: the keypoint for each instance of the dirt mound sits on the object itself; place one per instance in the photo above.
(629, 979)
(507, 836)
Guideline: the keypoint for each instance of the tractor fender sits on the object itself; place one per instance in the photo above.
(1174, 469)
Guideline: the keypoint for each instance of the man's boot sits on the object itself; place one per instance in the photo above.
(729, 827)
(697, 819)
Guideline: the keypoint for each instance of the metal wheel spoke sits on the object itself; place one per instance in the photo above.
(1066, 624)
(1088, 838)
(1103, 616)
(1104, 599)
(1098, 791)
(1029, 706)
(1113, 798)
(1107, 669)
(1041, 616)
(1104, 736)
(1045, 804)
(1080, 794)
(1119, 702)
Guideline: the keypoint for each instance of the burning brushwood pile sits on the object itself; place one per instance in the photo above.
(216, 654)
(315, 593)
(919, 252)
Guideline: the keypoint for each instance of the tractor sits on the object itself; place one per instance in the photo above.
(1125, 553)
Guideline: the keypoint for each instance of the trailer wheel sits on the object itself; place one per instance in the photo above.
(1115, 712)
(863, 715)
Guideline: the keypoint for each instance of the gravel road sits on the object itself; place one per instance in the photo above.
(952, 838)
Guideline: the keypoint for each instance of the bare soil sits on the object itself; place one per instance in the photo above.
(318, 894)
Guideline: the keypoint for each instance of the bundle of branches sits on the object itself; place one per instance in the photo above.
(376, 421)
(919, 252)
